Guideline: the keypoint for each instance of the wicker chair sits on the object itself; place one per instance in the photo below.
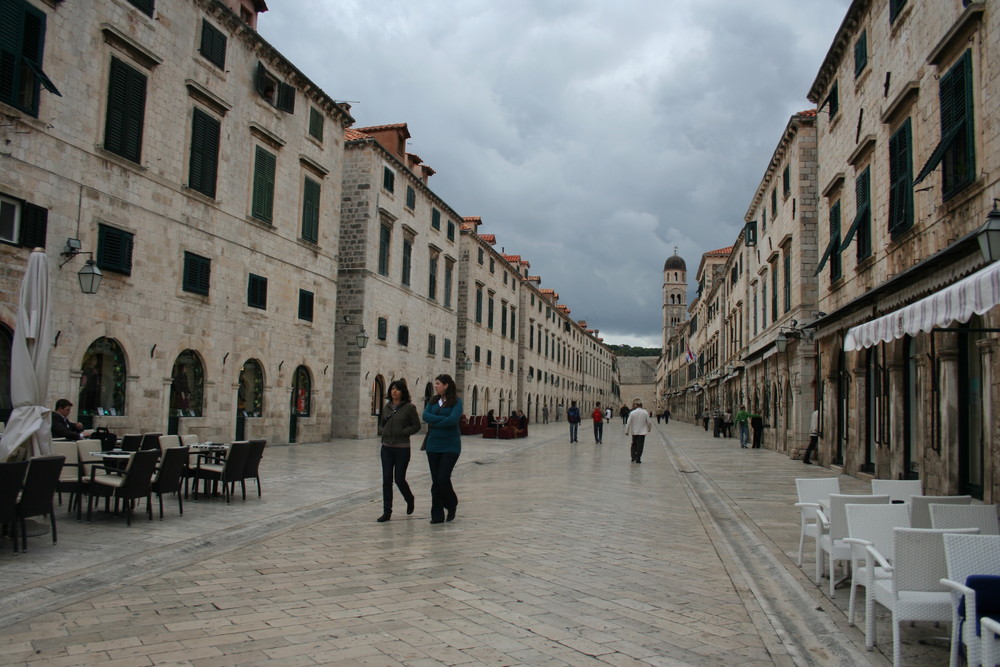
(833, 530)
(967, 556)
(811, 491)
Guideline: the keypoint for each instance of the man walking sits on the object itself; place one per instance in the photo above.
(638, 425)
(545, 414)
(598, 416)
(742, 420)
(813, 437)
(573, 417)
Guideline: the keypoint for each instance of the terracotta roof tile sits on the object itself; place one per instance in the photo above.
(414, 158)
(489, 238)
(473, 219)
(512, 258)
(351, 134)
(536, 279)
(720, 252)
(807, 112)
(379, 128)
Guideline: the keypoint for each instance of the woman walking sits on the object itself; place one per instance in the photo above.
(443, 444)
(399, 422)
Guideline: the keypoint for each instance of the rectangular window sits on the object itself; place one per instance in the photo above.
(774, 202)
(786, 182)
(958, 164)
(316, 121)
(482, 256)
(513, 322)
(489, 313)
(833, 100)
(403, 335)
(901, 180)
(861, 54)
(204, 167)
(279, 95)
(774, 292)
(447, 348)
(503, 362)
(431, 344)
(411, 198)
(788, 281)
(863, 223)
(435, 218)
(385, 235)
(432, 277)
(197, 273)
(479, 304)
(305, 305)
(22, 43)
(126, 109)
(763, 219)
(503, 318)
(407, 261)
(22, 223)
(144, 6)
(477, 357)
(489, 357)
(262, 206)
(835, 263)
(382, 328)
(449, 272)
(114, 250)
(763, 302)
(493, 265)
(310, 210)
(451, 230)
(213, 45)
(257, 292)
(388, 179)
(895, 7)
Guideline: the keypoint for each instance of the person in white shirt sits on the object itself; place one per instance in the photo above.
(638, 425)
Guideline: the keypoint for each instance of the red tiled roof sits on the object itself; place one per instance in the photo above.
(379, 128)
(536, 279)
(414, 158)
(547, 291)
(353, 135)
(720, 252)
(474, 219)
(466, 227)
(489, 238)
(807, 112)
(512, 258)
(525, 263)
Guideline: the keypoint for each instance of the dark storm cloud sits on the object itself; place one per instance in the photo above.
(591, 136)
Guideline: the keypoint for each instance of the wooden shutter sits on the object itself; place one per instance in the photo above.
(310, 211)
(114, 250)
(34, 223)
(197, 273)
(305, 305)
(204, 166)
(263, 185)
(126, 108)
(213, 44)
(900, 188)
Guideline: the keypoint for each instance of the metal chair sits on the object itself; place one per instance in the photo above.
(811, 491)
(898, 490)
(833, 530)
(135, 483)
(967, 556)
(983, 517)
(11, 482)
(38, 492)
(920, 513)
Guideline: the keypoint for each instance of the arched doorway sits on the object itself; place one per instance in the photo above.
(249, 395)
(102, 383)
(475, 401)
(187, 386)
(301, 401)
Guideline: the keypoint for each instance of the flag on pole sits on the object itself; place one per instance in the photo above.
(691, 358)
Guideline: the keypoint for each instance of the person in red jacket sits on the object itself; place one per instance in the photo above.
(598, 416)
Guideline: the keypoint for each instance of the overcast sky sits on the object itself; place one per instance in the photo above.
(591, 136)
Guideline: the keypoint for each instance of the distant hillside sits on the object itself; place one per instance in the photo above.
(629, 351)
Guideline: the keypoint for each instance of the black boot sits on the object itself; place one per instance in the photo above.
(385, 517)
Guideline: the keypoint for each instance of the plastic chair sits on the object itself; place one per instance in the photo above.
(920, 514)
(811, 491)
(11, 481)
(983, 517)
(38, 492)
(898, 490)
(833, 530)
(967, 555)
(914, 592)
(134, 484)
(871, 525)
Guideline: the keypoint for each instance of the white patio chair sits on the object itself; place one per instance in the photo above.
(833, 529)
(983, 517)
(920, 513)
(811, 491)
(967, 555)
(871, 525)
(899, 490)
(914, 592)
(990, 641)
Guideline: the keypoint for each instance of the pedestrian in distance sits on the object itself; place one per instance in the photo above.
(399, 422)
(813, 438)
(742, 421)
(717, 422)
(545, 414)
(704, 418)
(623, 413)
(666, 415)
(757, 423)
(727, 423)
(443, 445)
(598, 416)
(638, 425)
(573, 417)
(608, 413)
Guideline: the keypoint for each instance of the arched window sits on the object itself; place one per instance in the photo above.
(102, 385)
(6, 341)
(301, 392)
(378, 394)
(250, 394)
(475, 401)
(187, 385)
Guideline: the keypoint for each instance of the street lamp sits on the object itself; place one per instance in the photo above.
(361, 339)
(989, 235)
(90, 276)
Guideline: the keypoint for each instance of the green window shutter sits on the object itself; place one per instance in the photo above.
(861, 54)
(786, 182)
(213, 44)
(774, 203)
(451, 230)
(305, 305)
(316, 124)
(145, 6)
(955, 94)
(388, 179)
(34, 223)
(895, 7)
(382, 328)
(262, 207)
(205, 132)
(286, 98)
(126, 109)
(257, 292)
(900, 179)
(788, 281)
(114, 250)
(435, 218)
(774, 292)
(385, 236)
(407, 259)
(833, 100)
(411, 197)
(197, 273)
(310, 211)
(835, 263)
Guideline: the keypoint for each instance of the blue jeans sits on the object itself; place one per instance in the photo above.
(598, 431)
(744, 434)
(573, 428)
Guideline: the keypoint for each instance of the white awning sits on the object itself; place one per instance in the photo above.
(973, 294)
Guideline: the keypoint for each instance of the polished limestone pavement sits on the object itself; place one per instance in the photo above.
(561, 554)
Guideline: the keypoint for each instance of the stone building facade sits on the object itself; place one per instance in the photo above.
(185, 154)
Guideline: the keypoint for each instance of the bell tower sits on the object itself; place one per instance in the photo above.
(674, 294)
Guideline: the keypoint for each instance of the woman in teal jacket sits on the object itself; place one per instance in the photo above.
(443, 445)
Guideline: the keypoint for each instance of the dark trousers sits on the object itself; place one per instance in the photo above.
(717, 427)
(638, 443)
(442, 494)
(758, 435)
(395, 460)
(598, 431)
(574, 428)
(811, 449)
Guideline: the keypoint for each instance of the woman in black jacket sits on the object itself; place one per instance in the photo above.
(399, 421)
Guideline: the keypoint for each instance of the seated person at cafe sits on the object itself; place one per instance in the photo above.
(62, 427)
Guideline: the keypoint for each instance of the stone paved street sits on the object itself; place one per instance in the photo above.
(562, 554)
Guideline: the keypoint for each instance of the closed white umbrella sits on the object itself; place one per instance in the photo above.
(28, 431)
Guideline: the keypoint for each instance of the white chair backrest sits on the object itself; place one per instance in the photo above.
(838, 511)
(983, 517)
(813, 491)
(919, 563)
(971, 554)
(874, 523)
(189, 439)
(920, 514)
(83, 449)
(899, 490)
(67, 448)
(167, 441)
